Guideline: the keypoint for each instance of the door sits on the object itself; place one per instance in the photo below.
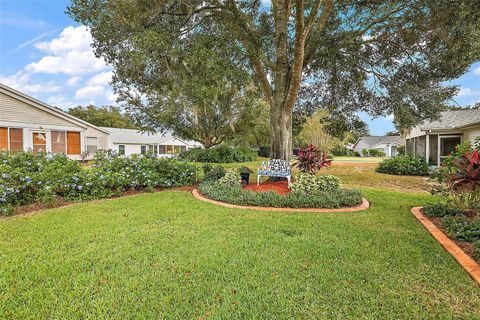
(447, 146)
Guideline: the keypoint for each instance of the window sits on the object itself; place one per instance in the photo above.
(39, 141)
(92, 145)
(73, 143)
(155, 149)
(183, 148)
(143, 149)
(58, 142)
(4, 139)
(162, 149)
(11, 139)
(121, 149)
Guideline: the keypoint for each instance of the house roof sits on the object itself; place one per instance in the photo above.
(454, 119)
(374, 140)
(45, 107)
(134, 136)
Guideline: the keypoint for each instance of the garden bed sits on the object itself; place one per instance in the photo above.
(462, 251)
(363, 205)
(279, 187)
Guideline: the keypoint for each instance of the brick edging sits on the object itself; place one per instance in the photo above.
(363, 206)
(467, 263)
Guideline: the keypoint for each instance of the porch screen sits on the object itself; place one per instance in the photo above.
(4, 139)
(73, 143)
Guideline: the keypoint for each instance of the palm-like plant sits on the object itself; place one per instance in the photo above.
(310, 160)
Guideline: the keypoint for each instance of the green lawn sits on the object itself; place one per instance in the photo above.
(168, 255)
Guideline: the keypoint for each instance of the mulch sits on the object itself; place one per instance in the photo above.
(279, 187)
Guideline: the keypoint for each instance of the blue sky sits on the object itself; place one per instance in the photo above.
(47, 55)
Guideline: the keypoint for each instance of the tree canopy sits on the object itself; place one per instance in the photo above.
(383, 57)
(104, 116)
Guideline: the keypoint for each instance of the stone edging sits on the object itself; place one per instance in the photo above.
(363, 206)
(467, 263)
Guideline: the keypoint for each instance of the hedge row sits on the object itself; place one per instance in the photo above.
(29, 178)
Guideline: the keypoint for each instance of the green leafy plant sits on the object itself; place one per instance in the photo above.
(440, 210)
(231, 179)
(307, 183)
(376, 153)
(212, 172)
(245, 170)
(404, 165)
(462, 228)
(234, 194)
(220, 154)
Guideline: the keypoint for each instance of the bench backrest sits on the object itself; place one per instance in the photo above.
(275, 165)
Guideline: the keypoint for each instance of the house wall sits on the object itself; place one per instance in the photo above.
(360, 146)
(471, 134)
(102, 137)
(15, 110)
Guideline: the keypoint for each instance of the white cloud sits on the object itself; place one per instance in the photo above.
(60, 101)
(467, 92)
(21, 81)
(101, 79)
(477, 71)
(90, 92)
(69, 53)
(73, 81)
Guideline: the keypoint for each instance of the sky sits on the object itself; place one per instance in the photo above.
(45, 54)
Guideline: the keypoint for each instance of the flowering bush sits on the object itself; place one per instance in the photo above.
(28, 177)
(310, 160)
(308, 183)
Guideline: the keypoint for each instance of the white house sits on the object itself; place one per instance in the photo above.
(132, 141)
(29, 124)
(435, 140)
(385, 144)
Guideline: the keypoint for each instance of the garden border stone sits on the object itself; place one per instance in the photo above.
(467, 263)
(362, 206)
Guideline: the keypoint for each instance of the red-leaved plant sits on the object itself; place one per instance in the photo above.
(310, 159)
(467, 173)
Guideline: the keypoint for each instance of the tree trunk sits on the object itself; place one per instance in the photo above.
(281, 125)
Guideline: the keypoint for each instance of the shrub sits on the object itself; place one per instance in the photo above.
(310, 160)
(29, 177)
(237, 195)
(308, 183)
(220, 154)
(212, 173)
(365, 152)
(462, 228)
(476, 251)
(264, 151)
(231, 179)
(404, 165)
(440, 210)
(400, 150)
(376, 153)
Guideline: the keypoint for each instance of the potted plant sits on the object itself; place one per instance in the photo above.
(245, 174)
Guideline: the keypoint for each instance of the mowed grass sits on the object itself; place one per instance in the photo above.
(168, 255)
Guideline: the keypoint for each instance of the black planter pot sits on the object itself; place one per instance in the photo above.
(245, 178)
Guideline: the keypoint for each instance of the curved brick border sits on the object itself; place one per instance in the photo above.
(363, 206)
(467, 263)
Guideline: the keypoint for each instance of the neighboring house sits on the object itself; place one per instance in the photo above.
(131, 141)
(29, 124)
(435, 140)
(385, 144)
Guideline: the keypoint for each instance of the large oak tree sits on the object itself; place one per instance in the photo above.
(383, 56)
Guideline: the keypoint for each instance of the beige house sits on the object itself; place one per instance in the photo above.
(437, 139)
(29, 124)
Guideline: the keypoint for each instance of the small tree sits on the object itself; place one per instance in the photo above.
(314, 132)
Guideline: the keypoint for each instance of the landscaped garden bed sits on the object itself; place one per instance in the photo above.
(307, 191)
(30, 180)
